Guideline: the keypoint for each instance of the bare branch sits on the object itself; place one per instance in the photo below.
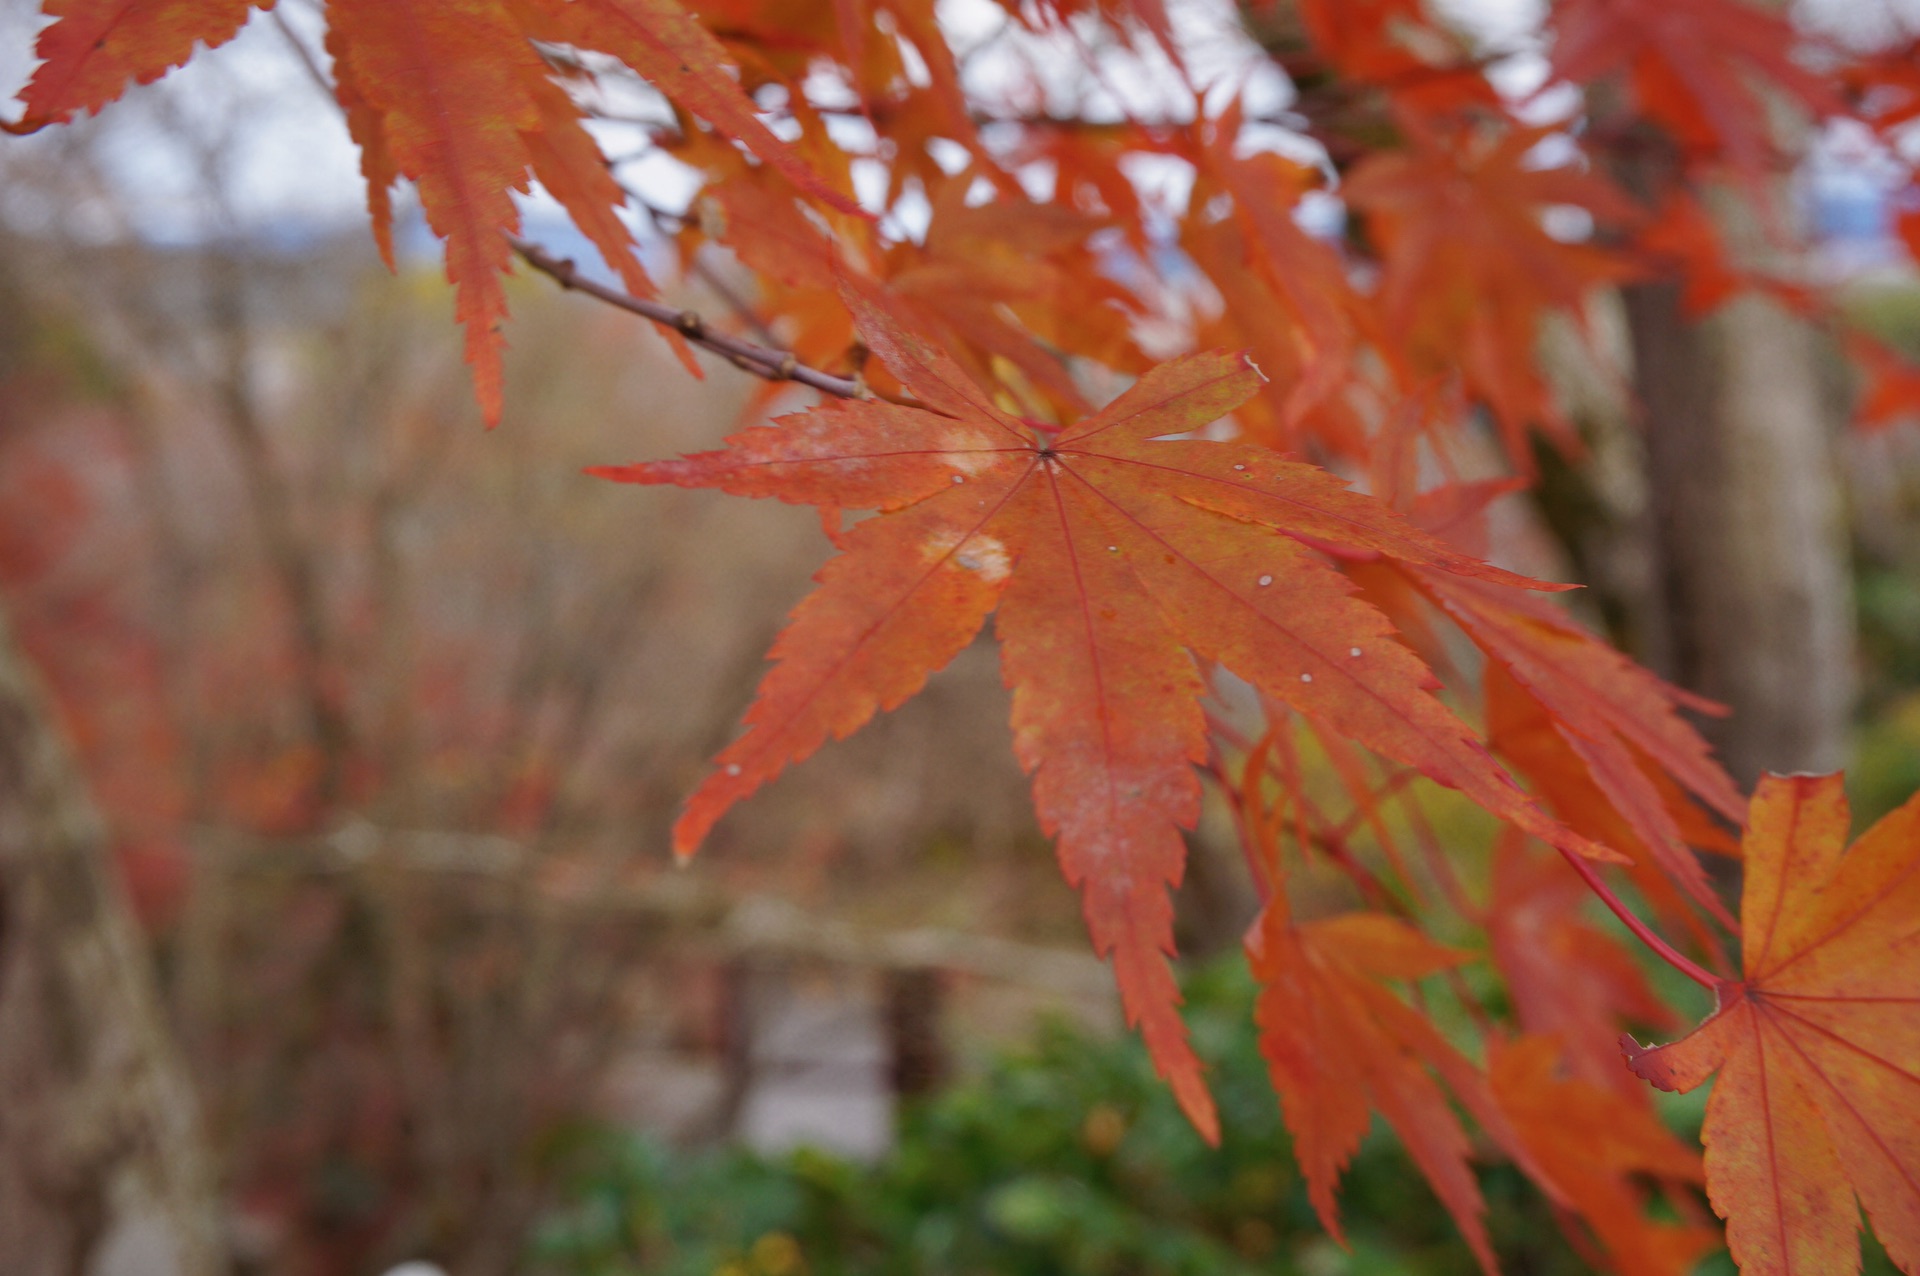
(704, 271)
(762, 361)
(301, 51)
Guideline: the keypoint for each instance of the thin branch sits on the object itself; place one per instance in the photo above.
(1242, 813)
(761, 361)
(713, 279)
(301, 51)
(702, 269)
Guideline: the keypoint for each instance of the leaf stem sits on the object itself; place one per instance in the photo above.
(1242, 817)
(1644, 933)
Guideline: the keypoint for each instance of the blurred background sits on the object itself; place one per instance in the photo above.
(385, 718)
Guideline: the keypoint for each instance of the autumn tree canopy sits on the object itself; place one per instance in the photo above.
(1192, 343)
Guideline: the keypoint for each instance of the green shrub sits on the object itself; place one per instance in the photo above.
(1068, 1157)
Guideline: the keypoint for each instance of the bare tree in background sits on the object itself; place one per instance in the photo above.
(96, 1091)
(1752, 605)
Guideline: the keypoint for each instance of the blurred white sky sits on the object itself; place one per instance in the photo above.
(283, 148)
(287, 166)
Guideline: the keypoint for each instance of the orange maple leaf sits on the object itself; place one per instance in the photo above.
(1111, 552)
(444, 94)
(1006, 284)
(1310, 402)
(1567, 978)
(1818, 1047)
(1609, 711)
(1304, 276)
(1341, 1045)
(1600, 739)
(1595, 1143)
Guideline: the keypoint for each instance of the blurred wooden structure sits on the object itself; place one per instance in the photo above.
(440, 979)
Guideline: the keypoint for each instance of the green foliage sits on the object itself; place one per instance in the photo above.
(1066, 1157)
(1886, 761)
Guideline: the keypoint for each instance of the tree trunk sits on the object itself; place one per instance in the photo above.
(95, 1098)
(1751, 591)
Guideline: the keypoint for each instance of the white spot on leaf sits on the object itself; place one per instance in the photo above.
(964, 453)
(986, 558)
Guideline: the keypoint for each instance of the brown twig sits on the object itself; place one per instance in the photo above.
(660, 217)
(761, 361)
(310, 63)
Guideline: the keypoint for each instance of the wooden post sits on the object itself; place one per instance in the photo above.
(913, 1001)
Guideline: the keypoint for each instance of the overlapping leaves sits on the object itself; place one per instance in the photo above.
(1340, 1045)
(452, 95)
(1125, 558)
(1701, 68)
(1115, 555)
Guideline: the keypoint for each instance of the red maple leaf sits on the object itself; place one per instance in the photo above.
(1396, 45)
(1890, 389)
(1682, 240)
(94, 48)
(1469, 269)
(1111, 552)
(1701, 68)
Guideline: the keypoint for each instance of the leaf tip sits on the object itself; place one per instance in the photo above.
(688, 833)
(1641, 1062)
(704, 809)
(1190, 1090)
(1598, 852)
(483, 358)
(617, 473)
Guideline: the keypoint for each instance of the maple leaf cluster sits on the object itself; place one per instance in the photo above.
(1181, 586)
